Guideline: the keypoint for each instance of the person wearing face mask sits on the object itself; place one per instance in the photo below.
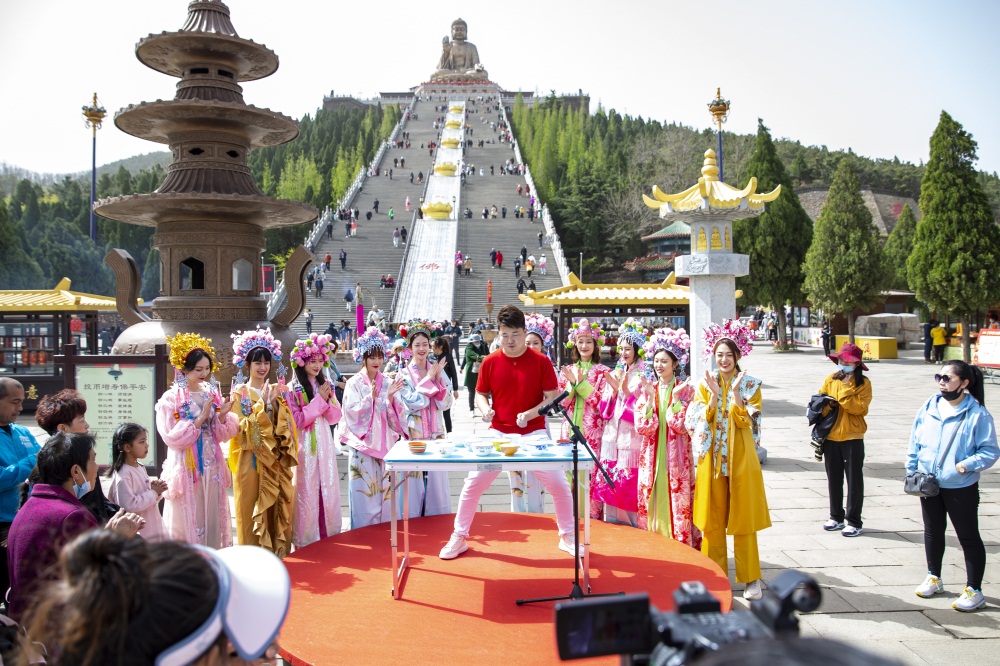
(954, 438)
(844, 448)
(54, 515)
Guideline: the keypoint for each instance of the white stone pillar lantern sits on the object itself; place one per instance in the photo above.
(710, 207)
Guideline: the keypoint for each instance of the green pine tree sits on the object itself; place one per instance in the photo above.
(17, 270)
(900, 245)
(777, 240)
(846, 267)
(956, 248)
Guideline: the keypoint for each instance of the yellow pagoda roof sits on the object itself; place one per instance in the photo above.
(710, 193)
(667, 292)
(59, 298)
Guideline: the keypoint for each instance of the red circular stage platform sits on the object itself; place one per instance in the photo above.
(462, 611)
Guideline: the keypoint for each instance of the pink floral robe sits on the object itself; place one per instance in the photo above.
(678, 461)
(620, 444)
(584, 406)
(197, 505)
(317, 481)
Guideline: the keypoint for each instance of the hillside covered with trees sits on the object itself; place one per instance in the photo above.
(45, 219)
(592, 169)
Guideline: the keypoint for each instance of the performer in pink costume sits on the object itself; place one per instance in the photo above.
(666, 467)
(426, 392)
(584, 380)
(374, 419)
(315, 410)
(192, 418)
(621, 443)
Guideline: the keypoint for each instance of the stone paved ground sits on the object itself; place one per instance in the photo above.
(868, 581)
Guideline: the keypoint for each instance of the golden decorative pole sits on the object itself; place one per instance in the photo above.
(719, 108)
(93, 116)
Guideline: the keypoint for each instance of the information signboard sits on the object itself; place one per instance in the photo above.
(115, 394)
(987, 352)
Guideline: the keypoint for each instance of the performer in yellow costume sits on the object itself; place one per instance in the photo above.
(724, 422)
(263, 452)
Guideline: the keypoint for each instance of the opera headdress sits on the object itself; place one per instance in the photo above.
(582, 328)
(731, 329)
(541, 326)
(371, 340)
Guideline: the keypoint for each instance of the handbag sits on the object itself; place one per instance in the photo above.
(924, 484)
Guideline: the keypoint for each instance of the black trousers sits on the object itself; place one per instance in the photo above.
(472, 398)
(961, 505)
(845, 459)
(939, 357)
(447, 420)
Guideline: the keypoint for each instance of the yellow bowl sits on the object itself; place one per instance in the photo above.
(509, 450)
(498, 444)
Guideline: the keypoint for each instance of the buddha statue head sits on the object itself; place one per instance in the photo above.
(459, 30)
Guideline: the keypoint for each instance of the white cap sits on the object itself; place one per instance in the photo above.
(254, 594)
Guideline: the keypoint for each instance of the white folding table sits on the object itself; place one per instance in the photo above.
(400, 459)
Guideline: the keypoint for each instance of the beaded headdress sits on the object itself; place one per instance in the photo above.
(245, 341)
(372, 339)
(429, 328)
(582, 328)
(674, 341)
(731, 329)
(314, 346)
(632, 332)
(182, 344)
(541, 326)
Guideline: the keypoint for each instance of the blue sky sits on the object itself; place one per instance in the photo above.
(873, 76)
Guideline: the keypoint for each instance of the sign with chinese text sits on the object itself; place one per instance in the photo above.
(988, 349)
(116, 394)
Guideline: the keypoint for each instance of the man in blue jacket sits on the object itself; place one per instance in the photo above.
(18, 449)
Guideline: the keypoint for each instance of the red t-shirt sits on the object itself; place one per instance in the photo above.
(517, 385)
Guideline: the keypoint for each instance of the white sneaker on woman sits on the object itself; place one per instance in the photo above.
(754, 590)
(969, 601)
(932, 585)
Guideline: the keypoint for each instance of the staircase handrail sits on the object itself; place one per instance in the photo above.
(277, 298)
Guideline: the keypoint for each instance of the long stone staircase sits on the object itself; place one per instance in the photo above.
(370, 253)
(508, 235)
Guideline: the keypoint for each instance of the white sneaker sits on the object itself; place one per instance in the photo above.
(851, 531)
(969, 601)
(568, 544)
(833, 525)
(754, 590)
(455, 547)
(932, 585)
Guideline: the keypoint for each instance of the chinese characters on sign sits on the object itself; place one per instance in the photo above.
(117, 394)
(432, 267)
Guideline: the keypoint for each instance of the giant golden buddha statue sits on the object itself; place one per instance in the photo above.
(459, 58)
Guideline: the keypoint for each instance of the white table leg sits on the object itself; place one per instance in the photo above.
(392, 534)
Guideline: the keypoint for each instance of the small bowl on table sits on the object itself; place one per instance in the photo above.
(482, 449)
(418, 446)
(538, 448)
(498, 444)
(509, 449)
(445, 449)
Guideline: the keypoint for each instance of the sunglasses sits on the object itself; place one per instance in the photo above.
(944, 378)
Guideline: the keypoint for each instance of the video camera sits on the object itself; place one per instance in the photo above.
(632, 627)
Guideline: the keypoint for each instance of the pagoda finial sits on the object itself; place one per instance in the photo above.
(710, 170)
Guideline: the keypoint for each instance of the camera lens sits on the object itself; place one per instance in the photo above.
(806, 597)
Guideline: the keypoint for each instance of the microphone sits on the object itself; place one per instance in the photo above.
(551, 405)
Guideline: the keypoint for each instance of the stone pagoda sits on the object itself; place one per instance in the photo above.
(709, 207)
(209, 215)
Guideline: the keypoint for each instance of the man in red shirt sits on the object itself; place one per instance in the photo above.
(520, 381)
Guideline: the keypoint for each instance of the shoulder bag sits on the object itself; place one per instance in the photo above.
(922, 484)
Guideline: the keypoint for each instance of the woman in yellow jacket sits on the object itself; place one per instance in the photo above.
(844, 448)
(724, 422)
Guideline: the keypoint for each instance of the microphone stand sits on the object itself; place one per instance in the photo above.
(577, 590)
